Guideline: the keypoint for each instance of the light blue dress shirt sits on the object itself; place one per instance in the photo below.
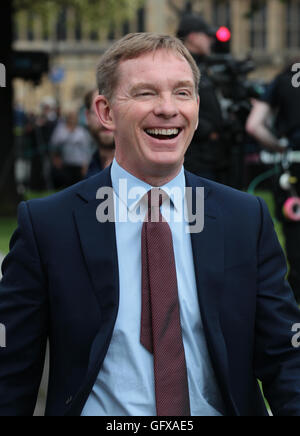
(125, 384)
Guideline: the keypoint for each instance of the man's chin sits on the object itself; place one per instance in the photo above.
(165, 165)
(108, 146)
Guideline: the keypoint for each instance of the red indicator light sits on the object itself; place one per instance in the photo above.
(223, 34)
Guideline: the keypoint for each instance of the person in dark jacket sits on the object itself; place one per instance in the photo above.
(282, 98)
(103, 138)
(207, 155)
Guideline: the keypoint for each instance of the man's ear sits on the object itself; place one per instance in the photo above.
(104, 113)
(198, 103)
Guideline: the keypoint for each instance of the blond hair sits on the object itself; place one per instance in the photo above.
(132, 46)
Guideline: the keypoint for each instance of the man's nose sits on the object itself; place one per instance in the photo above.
(166, 107)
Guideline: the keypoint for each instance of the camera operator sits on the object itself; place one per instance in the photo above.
(283, 99)
(207, 156)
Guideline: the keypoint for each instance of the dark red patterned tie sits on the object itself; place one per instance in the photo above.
(160, 323)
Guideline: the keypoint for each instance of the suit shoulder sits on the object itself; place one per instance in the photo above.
(55, 200)
(229, 193)
(237, 208)
(222, 192)
(68, 198)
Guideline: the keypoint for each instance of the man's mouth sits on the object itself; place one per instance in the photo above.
(163, 134)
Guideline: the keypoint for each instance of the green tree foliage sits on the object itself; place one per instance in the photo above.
(102, 12)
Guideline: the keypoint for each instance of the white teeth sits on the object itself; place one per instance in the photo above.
(164, 132)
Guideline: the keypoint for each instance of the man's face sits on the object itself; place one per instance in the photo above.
(104, 137)
(72, 120)
(201, 43)
(154, 113)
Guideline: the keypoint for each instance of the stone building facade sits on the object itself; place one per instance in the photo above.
(271, 36)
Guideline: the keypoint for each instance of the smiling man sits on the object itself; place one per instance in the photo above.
(144, 318)
(153, 113)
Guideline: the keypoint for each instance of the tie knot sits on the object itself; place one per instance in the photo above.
(156, 197)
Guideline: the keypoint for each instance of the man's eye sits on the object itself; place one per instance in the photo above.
(144, 94)
(184, 93)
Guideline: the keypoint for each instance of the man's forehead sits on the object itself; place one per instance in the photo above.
(149, 63)
(156, 56)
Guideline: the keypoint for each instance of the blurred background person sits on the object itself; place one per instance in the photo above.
(70, 150)
(44, 125)
(281, 103)
(207, 155)
(21, 121)
(103, 138)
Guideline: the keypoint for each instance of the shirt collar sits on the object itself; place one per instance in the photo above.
(123, 182)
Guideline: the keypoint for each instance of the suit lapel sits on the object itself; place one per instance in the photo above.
(98, 242)
(208, 253)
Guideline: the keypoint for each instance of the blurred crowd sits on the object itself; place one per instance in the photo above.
(57, 149)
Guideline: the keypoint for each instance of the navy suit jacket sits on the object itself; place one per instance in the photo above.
(61, 283)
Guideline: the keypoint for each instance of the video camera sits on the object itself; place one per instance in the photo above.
(230, 75)
(30, 65)
(235, 91)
